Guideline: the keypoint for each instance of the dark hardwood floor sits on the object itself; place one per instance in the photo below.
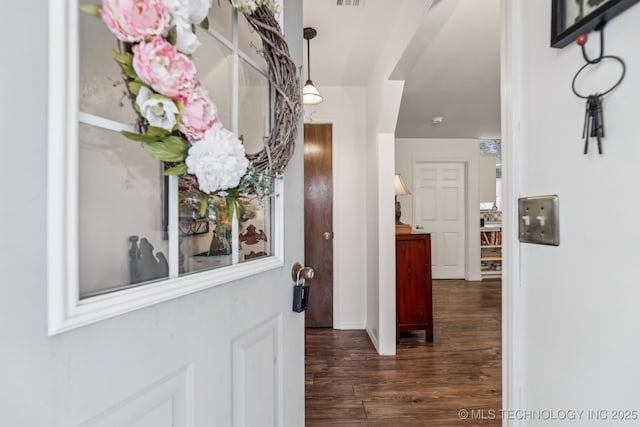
(425, 384)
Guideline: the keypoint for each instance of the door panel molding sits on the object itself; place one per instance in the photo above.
(257, 375)
(167, 402)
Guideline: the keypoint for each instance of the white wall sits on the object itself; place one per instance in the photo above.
(467, 151)
(382, 105)
(344, 108)
(576, 305)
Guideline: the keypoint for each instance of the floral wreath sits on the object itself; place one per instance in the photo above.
(177, 122)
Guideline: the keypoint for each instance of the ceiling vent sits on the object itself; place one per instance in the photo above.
(355, 3)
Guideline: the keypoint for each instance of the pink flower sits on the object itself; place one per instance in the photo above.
(162, 67)
(199, 114)
(136, 20)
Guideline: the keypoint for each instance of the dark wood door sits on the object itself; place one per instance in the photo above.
(318, 222)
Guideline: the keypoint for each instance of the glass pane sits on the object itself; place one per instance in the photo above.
(102, 89)
(493, 147)
(221, 18)
(250, 42)
(214, 63)
(253, 114)
(256, 229)
(205, 243)
(120, 213)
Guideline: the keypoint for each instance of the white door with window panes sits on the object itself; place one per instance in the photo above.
(160, 317)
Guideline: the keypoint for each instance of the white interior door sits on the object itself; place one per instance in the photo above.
(439, 207)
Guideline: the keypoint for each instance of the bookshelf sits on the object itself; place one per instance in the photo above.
(491, 250)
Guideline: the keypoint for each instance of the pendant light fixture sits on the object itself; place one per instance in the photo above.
(310, 94)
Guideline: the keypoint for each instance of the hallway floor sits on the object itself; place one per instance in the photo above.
(425, 384)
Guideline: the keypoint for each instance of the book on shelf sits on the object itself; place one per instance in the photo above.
(484, 238)
(491, 238)
(490, 254)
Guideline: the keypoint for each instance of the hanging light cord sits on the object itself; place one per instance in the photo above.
(308, 61)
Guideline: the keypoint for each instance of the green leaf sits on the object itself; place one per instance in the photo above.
(126, 63)
(171, 149)
(178, 169)
(92, 9)
(157, 132)
(160, 151)
(204, 204)
(130, 71)
(159, 96)
(123, 58)
(180, 106)
(134, 87)
(172, 36)
(139, 136)
(205, 23)
(176, 142)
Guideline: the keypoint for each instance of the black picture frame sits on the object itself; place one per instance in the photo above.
(597, 12)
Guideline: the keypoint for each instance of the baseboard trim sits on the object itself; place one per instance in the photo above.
(351, 326)
(373, 339)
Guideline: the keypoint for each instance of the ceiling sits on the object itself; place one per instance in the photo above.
(454, 60)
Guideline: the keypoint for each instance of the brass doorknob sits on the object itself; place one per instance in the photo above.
(299, 272)
(326, 235)
(307, 273)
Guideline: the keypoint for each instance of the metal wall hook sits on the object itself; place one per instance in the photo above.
(582, 41)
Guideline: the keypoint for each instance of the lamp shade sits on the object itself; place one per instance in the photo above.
(400, 187)
(310, 95)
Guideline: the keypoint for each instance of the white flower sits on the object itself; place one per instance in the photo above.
(192, 11)
(184, 13)
(246, 6)
(159, 111)
(218, 160)
(186, 40)
(198, 10)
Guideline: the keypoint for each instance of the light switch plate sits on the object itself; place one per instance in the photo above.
(539, 220)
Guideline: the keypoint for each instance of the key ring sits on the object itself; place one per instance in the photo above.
(593, 119)
(595, 62)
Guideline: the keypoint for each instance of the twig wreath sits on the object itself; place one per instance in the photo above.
(177, 122)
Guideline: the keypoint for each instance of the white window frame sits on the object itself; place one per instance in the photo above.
(66, 311)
